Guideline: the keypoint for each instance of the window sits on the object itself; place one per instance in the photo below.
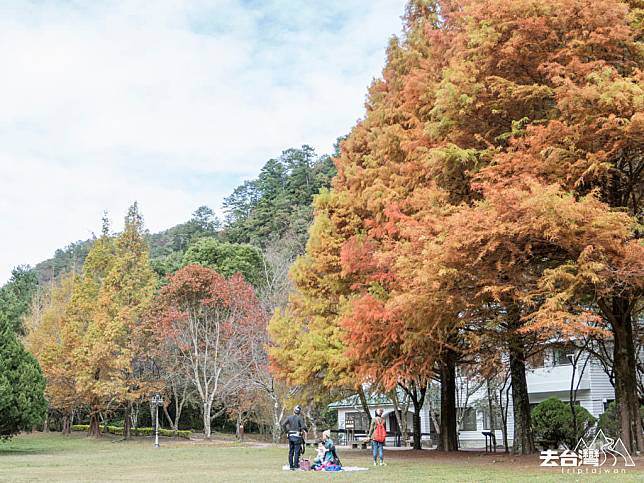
(469, 420)
(356, 421)
(561, 356)
(486, 419)
(606, 403)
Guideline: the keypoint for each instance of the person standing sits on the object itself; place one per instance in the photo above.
(378, 435)
(295, 429)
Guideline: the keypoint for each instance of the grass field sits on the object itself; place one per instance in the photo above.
(52, 457)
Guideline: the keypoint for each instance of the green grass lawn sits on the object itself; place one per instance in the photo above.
(52, 457)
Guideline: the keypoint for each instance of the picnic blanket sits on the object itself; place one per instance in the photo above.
(344, 468)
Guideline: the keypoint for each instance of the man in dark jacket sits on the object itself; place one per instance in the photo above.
(295, 428)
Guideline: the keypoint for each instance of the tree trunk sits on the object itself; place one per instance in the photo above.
(67, 427)
(134, 412)
(523, 442)
(313, 425)
(417, 396)
(206, 419)
(490, 405)
(417, 429)
(276, 431)
(448, 434)
(505, 418)
(45, 424)
(363, 401)
(167, 416)
(401, 418)
(127, 421)
(624, 368)
(94, 430)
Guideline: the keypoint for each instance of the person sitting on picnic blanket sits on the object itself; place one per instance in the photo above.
(327, 458)
(331, 461)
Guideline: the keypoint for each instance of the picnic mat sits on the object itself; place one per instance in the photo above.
(344, 468)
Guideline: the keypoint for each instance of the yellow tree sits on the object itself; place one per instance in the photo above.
(125, 297)
(91, 359)
(47, 339)
(307, 345)
(106, 321)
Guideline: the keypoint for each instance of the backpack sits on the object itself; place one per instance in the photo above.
(380, 433)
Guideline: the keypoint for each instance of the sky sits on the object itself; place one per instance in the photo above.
(169, 103)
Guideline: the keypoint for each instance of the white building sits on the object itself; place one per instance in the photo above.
(550, 377)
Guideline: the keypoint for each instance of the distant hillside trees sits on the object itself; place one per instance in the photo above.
(279, 200)
(15, 297)
(227, 259)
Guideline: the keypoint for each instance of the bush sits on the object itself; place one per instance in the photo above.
(608, 421)
(118, 430)
(552, 423)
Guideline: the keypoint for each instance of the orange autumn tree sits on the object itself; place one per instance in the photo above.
(79, 317)
(397, 333)
(552, 90)
(313, 335)
(510, 63)
(126, 295)
(434, 122)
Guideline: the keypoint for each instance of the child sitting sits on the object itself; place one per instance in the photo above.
(326, 459)
(319, 457)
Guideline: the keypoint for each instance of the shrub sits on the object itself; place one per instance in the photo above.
(118, 430)
(608, 421)
(552, 422)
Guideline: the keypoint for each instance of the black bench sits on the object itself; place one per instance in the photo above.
(490, 441)
(361, 444)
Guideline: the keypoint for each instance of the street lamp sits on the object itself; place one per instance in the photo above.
(156, 401)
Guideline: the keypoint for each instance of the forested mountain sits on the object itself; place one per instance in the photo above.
(277, 202)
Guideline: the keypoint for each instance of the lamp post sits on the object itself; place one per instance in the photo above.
(156, 401)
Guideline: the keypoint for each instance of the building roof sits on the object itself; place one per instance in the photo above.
(373, 400)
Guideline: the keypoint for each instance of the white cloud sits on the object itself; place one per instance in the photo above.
(103, 103)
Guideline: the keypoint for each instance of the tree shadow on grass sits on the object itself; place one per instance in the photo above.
(6, 450)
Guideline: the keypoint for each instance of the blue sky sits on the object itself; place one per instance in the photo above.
(170, 103)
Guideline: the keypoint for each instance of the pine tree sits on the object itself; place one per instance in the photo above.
(22, 385)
